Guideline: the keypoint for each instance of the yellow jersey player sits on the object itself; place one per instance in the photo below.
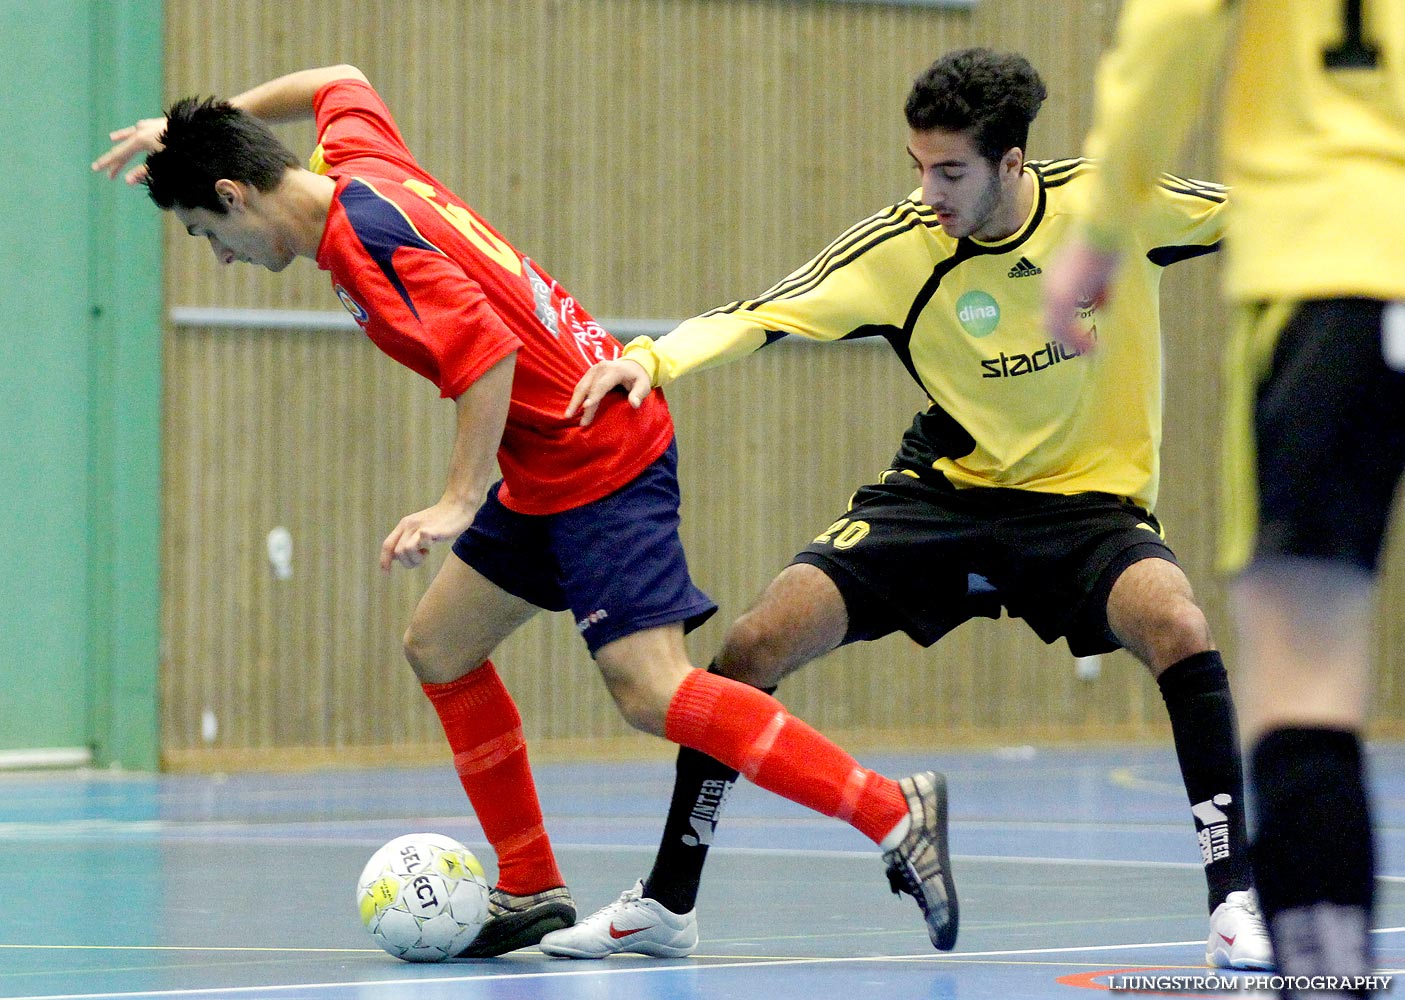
(1035, 468)
(1314, 147)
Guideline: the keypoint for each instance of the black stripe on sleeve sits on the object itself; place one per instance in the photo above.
(1058, 168)
(1216, 193)
(843, 251)
(855, 233)
(1198, 185)
(1057, 173)
(1165, 256)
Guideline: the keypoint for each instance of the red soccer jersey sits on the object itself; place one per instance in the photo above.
(436, 288)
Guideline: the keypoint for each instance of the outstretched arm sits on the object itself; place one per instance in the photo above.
(827, 299)
(1157, 71)
(287, 98)
(645, 362)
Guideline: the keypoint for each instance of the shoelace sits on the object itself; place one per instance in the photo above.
(618, 906)
(1249, 909)
(500, 903)
(902, 877)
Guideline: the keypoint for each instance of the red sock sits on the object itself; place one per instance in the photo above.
(751, 731)
(490, 755)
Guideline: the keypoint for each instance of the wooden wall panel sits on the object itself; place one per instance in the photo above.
(661, 157)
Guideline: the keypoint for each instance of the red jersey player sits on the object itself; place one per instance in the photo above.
(584, 519)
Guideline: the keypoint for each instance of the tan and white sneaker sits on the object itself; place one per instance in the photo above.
(1238, 936)
(920, 865)
(631, 923)
(520, 921)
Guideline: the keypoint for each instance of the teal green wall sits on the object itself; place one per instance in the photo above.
(80, 378)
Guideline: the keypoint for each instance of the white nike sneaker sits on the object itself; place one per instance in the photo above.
(1238, 937)
(629, 924)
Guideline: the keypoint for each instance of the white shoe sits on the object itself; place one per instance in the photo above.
(629, 924)
(1238, 937)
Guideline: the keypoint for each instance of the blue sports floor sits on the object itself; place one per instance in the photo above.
(1069, 863)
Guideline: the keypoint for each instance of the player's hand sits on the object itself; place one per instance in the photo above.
(409, 543)
(143, 137)
(1079, 278)
(602, 377)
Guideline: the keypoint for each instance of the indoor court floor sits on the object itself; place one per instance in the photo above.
(1070, 864)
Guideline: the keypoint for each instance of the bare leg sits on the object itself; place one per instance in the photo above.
(1153, 612)
(1305, 625)
(1305, 634)
(659, 692)
(799, 617)
(458, 623)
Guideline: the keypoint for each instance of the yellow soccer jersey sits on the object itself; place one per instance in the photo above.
(1313, 135)
(1009, 407)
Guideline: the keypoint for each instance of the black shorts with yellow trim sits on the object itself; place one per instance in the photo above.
(1314, 430)
(911, 554)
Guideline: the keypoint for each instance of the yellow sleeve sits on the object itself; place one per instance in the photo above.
(1150, 85)
(695, 344)
(1183, 212)
(859, 280)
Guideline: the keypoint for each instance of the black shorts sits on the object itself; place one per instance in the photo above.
(910, 553)
(1323, 383)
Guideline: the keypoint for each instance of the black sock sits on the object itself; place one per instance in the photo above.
(1313, 855)
(1196, 692)
(699, 790)
(700, 787)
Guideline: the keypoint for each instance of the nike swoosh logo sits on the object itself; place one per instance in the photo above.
(616, 933)
(1227, 939)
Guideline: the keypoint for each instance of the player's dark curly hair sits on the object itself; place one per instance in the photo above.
(208, 140)
(993, 96)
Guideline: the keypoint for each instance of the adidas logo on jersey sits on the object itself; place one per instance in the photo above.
(1024, 269)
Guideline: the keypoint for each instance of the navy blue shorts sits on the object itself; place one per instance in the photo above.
(616, 563)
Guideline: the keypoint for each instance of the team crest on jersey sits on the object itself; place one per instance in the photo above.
(352, 306)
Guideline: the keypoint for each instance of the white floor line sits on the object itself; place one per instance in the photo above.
(599, 970)
(229, 832)
(595, 969)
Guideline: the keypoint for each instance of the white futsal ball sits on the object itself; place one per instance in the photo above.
(423, 897)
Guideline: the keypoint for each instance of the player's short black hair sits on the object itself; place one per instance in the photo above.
(994, 96)
(207, 140)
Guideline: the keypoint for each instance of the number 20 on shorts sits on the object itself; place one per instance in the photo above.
(844, 533)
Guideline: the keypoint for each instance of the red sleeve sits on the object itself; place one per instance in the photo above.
(435, 319)
(353, 123)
